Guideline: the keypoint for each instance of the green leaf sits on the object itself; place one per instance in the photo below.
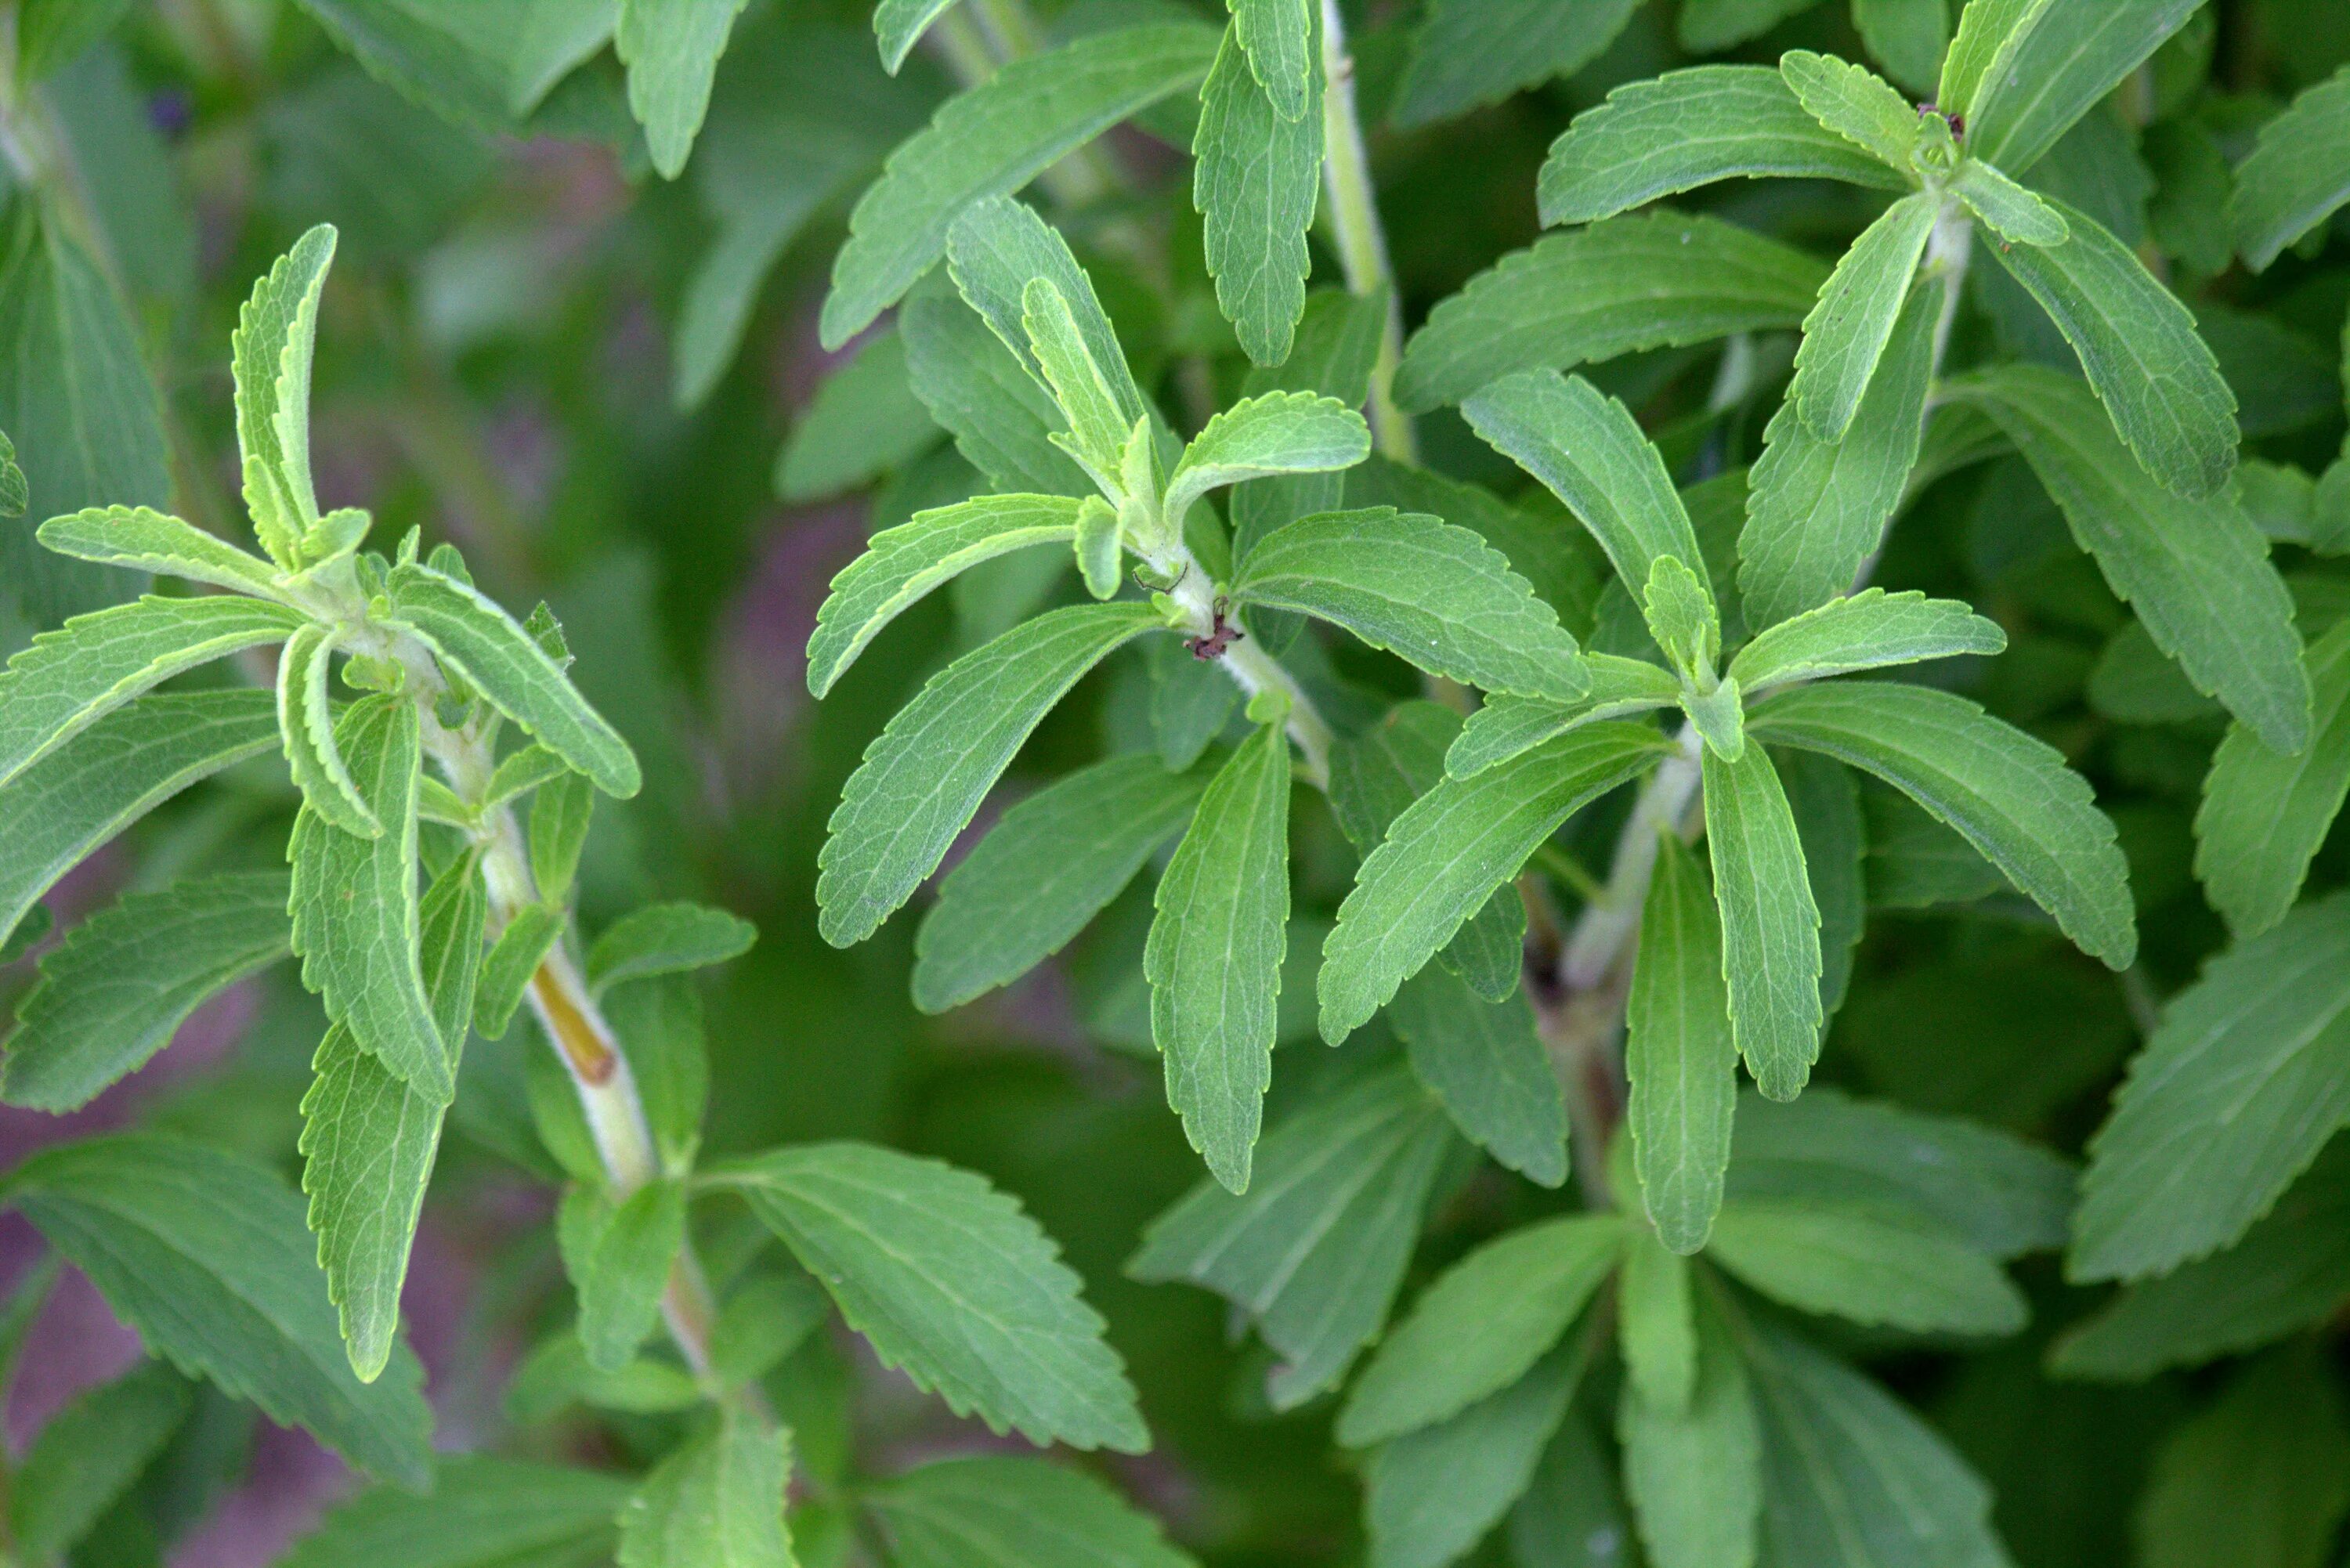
(146, 540)
(70, 677)
(991, 141)
(205, 1255)
(1770, 923)
(1256, 438)
(555, 1377)
(2196, 572)
(2012, 212)
(1485, 1062)
(520, 771)
(86, 1454)
(952, 1282)
(624, 1267)
(1711, 24)
(1213, 957)
(1316, 1249)
(2259, 1480)
(670, 48)
(16, 494)
(1870, 631)
(1654, 281)
(1444, 856)
(1100, 547)
(715, 1502)
(2138, 345)
(1846, 332)
(355, 905)
(1680, 1056)
(1257, 178)
(1507, 726)
(1817, 510)
(1588, 450)
(307, 724)
(2008, 795)
(1854, 102)
(1285, 53)
(1097, 428)
(864, 422)
(1907, 37)
(1470, 53)
(665, 939)
(1826, 800)
(899, 25)
(482, 1512)
(1689, 128)
(2265, 813)
(1682, 618)
(1480, 1325)
(120, 985)
(115, 771)
(560, 815)
(1655, 1330)
(978, 389)
(1433, 1492)
(505, 664)
(1694, 1471)
(1435, 595)
(989, 1511)
(1984, 27)
(1858, 1264)
(929, 768)
(369, 1140)
(995, 248)
(275, 333)
(2298, 174)
(514, 959)
(2239, 1088)
(2061, 58)
(1337, 343)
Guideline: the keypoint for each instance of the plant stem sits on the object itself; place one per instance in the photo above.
(1362, 243)
(1251, 667)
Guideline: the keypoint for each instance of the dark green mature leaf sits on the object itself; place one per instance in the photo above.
(1770, 922)
(1656, 1327)
(976, 387)
(952, 1282)
(1435, 595)
(1830, 1257)
(1907, 37)
(991, 141)
(1445, 855)
(1680, 1056)
(1826, 799)
(2140, 349)
(1871, 631)
(2197, 572)
(1213, 956)
(1558, 561)
(1646, 282)
(146, 540)
(936, 760)
(1695, 1472)
(984, 1511)
(122, 983)
(87, 1453)
(863, 423)
(2298, 174)
(1475, 52)
(1486, 1063)
(1507, 726)
(2262, 1479)
(1257, 178)
(1480, 1325)
(2061, 58)
(1432, 1493)
(114, 773)
(1316, 1249)
(2265, 811)
(482, 1512)
(2239, 1088)
(2008, 795)
(1846, 333)
(671, 49)
(205, 1255)
(1689, 127)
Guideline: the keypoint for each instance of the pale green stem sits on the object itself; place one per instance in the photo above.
(1250, 666)
(1362, 243)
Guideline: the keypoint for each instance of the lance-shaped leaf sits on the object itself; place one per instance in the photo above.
(2257, 1476)
(1486, 1063)
(997, 1508)
(1689, 127)
(1256, 438)
(308, 727)
(971, 382)
(506, 665)
(1097, 428)
(618, 1256)
(355, 904)
(1473, 52)
(906, 562)
(2243, 1082)
(1682, 618)
(512, 961)
(1984, 27)
(2196, 572)
(1435, 595)
(1480, 1325)
(2298, 174)
(991, 141)
(1854, 102)
(936, 760)
(1909, 38)
(204, 1254)
(121, 768)
(2265, 811)
(717, 1501)
(1817, 510)
(1846, 332)
(1870, 631)
(369, 1140)
(1257, 179)
(482, 1509)
(1100, 547)
(2012, 212)
(87, 1454)
(665, 939)
(994, 250)
(1507, 726)
(71, 677)
(899, 25)
(1284, 50)
(2008, 795)
(1587, 449)
(1445, 855)
(2138, 345)
(1655, 1329)
(1855, 1263)
(1213, 957)
(1679, 1058)
(120, 985)
(670, 48)
(952, 1282)
(1315, 1249)
(1693, 1469)
(1654, 281)
(2057, 62)
(270, 353)
(147, 540)
(1770, 922)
